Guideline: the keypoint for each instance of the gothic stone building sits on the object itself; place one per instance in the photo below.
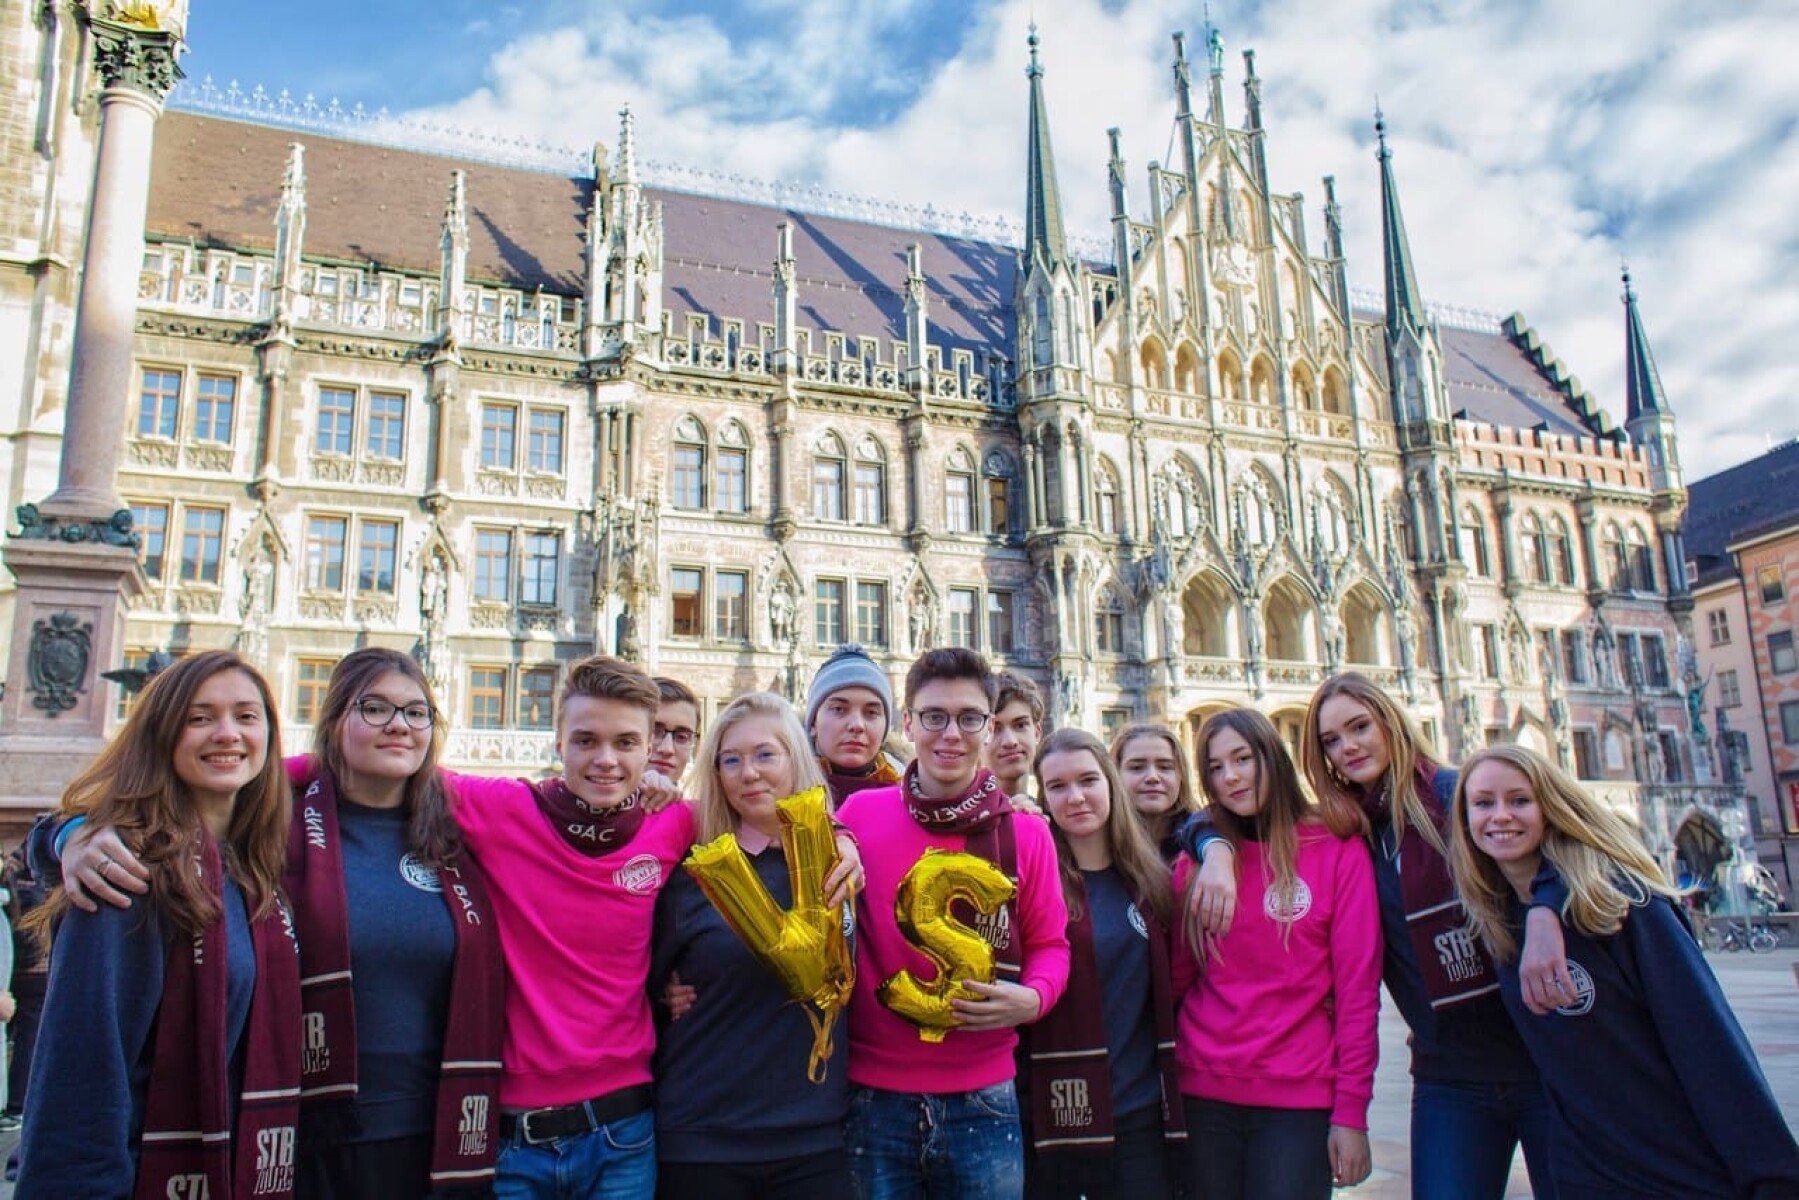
(503, 417)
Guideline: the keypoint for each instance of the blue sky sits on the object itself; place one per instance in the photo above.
(1539, 143)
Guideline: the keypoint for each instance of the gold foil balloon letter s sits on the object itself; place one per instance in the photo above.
(922, 907)
(803, 945)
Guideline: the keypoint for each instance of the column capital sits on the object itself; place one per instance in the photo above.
(135, 58)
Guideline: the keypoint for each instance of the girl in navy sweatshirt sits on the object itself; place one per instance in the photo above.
(1153, 768)
(168, 1057)
(1659, 1091)
(1105, 1111)
(736, 1116)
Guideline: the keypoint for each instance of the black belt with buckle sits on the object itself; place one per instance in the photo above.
(536, 1126)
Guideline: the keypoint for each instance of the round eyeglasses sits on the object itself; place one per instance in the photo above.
(969, 720)
(379, 713)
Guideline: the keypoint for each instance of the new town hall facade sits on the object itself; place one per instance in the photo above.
(503, 416)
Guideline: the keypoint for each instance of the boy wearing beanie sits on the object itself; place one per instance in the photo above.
(849, 709)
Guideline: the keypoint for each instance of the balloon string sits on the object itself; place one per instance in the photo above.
(821, 1043)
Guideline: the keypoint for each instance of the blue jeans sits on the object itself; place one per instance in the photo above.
(947, 1146)
(1463, 1135)
(614, 1162)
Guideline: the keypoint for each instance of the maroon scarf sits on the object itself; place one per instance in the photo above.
(844, 784)
(463, 1144)
(595, 832)
(1454, 964)
(188, 1145)
(982, 813)
(1067, 1050)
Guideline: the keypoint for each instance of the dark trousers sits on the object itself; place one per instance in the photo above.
(396, 1169)
(1138, 1165)
(1247, 1152)
(822, 1176)
(28, 991)
(1463, 1136)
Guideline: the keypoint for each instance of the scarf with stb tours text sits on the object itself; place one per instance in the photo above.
(982, 813)
(464, 1142)
(189, 1146)
(595, 832)
(1068, 1075)
(1454, 964)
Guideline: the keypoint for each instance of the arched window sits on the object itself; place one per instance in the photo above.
(1642, 563)
(1474, 542)
(1206, 617)
(1364, 628)
(1285, 612)
(1105, 500)
(1108, 623)
(1230, 376)
(829, 478)
(731, 471)
(1561, 552)
(1304, 394)
(1534, 546)
(958, 493)
(998, 474)
(1155, 364)
(1333, 514)
(1617, 559)
(1336, 396)
(870, 484)
(687, 472)
(1258, 510)
(1261, 381)
(1186, 369)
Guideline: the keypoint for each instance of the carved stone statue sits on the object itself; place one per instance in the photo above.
(432, 587)
(1696, 707)
(1518, 652)
(1472, 734)
(1334, 639)
(1252, 627)
(1405, 629)
(781, 612)
(1605, 656)
(253, 608)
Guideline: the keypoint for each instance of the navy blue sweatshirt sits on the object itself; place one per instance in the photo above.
(1470, 1042)
(1121, 953)
(402, 954)
(731, 1073)
(402, 951)
(1659, 1092)
(94, 1046)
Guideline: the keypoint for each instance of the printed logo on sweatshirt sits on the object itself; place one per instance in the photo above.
(1137, 921)
(420, 874)
(1277, 908)
(1070, 1103)
(274, 1161)
(641, 876)
(1584, 992)
(1459, 954)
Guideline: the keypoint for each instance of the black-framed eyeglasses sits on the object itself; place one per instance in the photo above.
(969, 720)
(683, 737)
(379, 713)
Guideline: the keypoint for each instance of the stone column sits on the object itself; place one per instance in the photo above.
(75, 555)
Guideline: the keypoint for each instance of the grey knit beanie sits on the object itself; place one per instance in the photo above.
(849, 667)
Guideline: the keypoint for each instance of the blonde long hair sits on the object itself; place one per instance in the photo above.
(1133, 854)
(1597, 852)
(1339, 798)
(712, 810)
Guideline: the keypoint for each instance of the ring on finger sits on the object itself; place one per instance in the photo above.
(101, 869)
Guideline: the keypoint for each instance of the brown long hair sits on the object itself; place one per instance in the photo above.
(1598, 853)
(1284, 803)
(431, 833)
(1133, 854)
(1186, 799)
(1339, 798)
(131, 786)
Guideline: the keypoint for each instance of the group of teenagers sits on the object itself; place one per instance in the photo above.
(353, 973)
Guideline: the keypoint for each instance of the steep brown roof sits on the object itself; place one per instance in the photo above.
(217, 180)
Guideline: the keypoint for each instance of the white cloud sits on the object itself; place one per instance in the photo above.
(1536, 145)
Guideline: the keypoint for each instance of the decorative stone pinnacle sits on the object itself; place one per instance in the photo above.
(1624, 271)
(627, 145)
(1036, 68)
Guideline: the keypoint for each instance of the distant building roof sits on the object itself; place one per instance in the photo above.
(1744, 499)
(216, 180)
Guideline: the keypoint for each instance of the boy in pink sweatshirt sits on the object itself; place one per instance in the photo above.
(941, 1118)
(1276, 1032)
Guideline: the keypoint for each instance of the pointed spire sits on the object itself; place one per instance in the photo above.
(1642, 382)
(1183, 78)
(1333, 219)
(1252, 90)
(1405, 308)
(1044, 239)
(627, 146)
(290, 233)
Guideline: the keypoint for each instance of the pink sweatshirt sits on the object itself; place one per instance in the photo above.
(576, 933)
(885, 1050)
(1290, 1025)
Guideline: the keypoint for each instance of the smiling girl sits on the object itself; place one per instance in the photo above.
(1153, 769)
(169, 1055)
(1104, 1098)
(1277, 1037)
(1659, 1090)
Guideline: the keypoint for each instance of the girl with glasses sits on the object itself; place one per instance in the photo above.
(1277, 1035)
(169, 1054)
(735, 1114)
(1659, 1091)
(404, 979)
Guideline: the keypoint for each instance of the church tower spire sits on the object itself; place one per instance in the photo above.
(1405, 307)
(1647, 418)
(1045, 242)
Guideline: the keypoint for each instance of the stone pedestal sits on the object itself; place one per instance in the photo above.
(68, 619)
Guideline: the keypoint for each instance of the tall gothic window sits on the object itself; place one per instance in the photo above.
(829, 481)
(687, 476)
